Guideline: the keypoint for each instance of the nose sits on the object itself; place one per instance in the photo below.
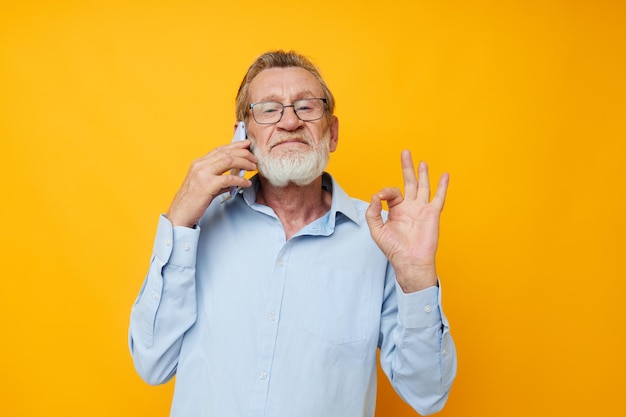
(289, 120)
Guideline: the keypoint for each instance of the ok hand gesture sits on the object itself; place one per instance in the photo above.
(410, 235)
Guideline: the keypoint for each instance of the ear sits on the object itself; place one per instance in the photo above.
(334, 133)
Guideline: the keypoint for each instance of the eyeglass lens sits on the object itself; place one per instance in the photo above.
(307, 110)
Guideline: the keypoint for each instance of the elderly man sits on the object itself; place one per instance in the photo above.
(274, 302)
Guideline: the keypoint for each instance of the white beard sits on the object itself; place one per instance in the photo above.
(294, 166)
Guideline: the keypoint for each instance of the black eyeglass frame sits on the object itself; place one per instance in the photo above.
(282, 112)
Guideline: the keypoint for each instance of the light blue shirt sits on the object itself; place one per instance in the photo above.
(253, 325)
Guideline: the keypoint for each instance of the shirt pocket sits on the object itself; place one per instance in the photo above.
(337, 304)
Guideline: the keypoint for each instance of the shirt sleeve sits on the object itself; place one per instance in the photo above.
(417, 352)
(166, 305)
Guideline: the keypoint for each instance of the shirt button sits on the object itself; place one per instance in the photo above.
(281, 262)
(428, 308)
(186, 246)
(273, 317)
(262, 376)
(155, 296)
(168, 242)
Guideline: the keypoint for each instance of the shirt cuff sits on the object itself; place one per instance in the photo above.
(176, 245)
(419, 309)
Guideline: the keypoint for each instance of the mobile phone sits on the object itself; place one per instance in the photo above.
(240, 134)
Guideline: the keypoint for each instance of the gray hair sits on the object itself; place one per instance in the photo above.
(278, 59)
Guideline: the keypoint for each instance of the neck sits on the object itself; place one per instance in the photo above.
(296, 206)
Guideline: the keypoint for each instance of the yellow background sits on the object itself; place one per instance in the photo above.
(103, 104)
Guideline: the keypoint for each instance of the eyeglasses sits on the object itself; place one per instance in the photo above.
(270, 112)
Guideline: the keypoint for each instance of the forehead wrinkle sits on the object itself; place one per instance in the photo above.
(278, 84)
(297, 96)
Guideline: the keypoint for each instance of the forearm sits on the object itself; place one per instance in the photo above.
(166, 306)
(419, 356)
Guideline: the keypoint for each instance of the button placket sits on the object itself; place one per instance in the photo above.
(268, 331)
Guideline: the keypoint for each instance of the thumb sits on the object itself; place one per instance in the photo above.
(373, 215)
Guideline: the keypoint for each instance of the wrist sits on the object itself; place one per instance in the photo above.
(413, 279)
(180, 222)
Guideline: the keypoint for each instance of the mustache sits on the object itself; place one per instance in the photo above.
(286, 137)
(303, 137)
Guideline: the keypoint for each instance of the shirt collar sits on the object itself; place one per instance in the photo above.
(340, 203)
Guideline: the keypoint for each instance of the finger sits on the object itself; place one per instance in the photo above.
(240, 144)
(423, 191)
(225, 160)
(240, 148)
(442, 189)
(236, 164)
(229, 181)
(408, 175)
(373, 215)
(393, 196)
